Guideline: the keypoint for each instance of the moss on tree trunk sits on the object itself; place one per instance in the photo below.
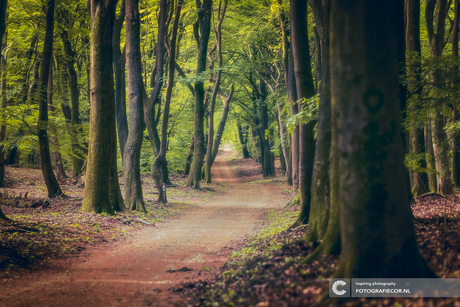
(377, 234)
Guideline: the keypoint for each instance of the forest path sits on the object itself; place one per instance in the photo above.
(133, 272)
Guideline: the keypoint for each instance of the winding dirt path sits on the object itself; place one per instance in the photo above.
(134, 272)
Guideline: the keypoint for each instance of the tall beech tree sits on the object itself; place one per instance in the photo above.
(97, 197)
(285, 144)
(202, 38)
(119, 65)
(413, 47)
(435, 27)
(213, 145)
(161, 157)
(69, 61)
(320, 188)
(455, 83)
(305, 90)
(52, 185)
(132, 151)
(152, 117)
(294, 109)
(377, 233)
(59, 167)
(3, 6)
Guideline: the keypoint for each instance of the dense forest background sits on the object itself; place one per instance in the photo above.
(358, 102)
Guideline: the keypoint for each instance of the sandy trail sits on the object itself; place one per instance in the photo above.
(133, 273)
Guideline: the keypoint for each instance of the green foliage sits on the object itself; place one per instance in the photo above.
(308, 113)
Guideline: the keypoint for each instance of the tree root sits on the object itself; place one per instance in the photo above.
(431, 194)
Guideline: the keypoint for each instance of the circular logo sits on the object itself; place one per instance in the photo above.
(336, 284)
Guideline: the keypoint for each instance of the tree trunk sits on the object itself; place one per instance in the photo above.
(188, 160)
(102, 109)
(60, 172)
(204, 20)
(116, 198)
(50, 180)
(320, 189)
(25, 77)
(439, 137)
(285, 44)
(213, 145)
(294, 108)
(4, 101)
(378, 239)
(413, 47)
(132, 152)
(119, 64)
(256, 142)
(305, 90)
(243, 137)
(161, 157)
(264, 139)
(221, 126)
(75, 128)
(156, 82)
(455, 83)
(432, 180)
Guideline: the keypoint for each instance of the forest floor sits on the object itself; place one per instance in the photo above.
(55, 255)
(228, 244)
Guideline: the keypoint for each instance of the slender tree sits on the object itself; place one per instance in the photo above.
(436, 43)
(212, 144)
(97, 196)
(285, 144)
(320, 189)
(132, 151)
(75, 128)
(455, 83)
(59, 166)
(294, 109)
(305, 90)
(3, 6)
(156, 83)
(50, 179)
(202, 38)
(119, 65)
(161, 157)
(413, 47)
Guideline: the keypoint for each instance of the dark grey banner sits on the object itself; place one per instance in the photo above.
(397, 287)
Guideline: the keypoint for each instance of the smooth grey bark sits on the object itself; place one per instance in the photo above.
(132, 152)
(97, 197)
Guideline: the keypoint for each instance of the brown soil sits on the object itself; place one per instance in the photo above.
(138, 272)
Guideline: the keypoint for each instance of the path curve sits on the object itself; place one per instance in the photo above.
(133, 273)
